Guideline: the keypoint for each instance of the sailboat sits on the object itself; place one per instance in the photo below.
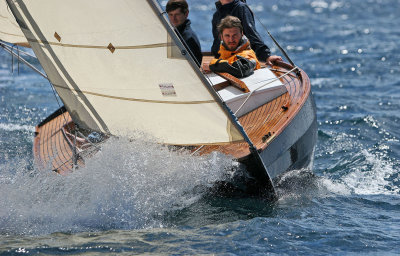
(119, 68)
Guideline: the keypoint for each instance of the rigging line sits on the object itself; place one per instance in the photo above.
(251, 93)
(74, 154)
(23, 52)
(58, 102)
(18, 58)
(275, 79)
(197, 150)
(87, 139)
(276, 43)
(12, 59)
(28, 54)
(8, 49)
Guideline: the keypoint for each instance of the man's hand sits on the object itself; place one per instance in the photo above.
(206, 68)
(272, 59)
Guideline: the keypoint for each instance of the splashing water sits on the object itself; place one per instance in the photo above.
(16, 127)
(367, 172)
(127, 185)
(373, 178)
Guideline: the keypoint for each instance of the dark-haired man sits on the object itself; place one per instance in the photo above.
(235, 55)
(240, 9)
(178, 12)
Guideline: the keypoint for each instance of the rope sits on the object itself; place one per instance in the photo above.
(276, 42)
(197, 150)
(9, 49)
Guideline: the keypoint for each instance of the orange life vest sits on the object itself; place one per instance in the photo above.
(243, 50)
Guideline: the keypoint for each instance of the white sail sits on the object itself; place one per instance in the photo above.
(114, 66)
(9, 29)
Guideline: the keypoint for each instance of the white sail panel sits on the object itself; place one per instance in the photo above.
(9, 29)
(110, 63)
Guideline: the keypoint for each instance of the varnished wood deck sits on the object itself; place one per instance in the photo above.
(53, 151)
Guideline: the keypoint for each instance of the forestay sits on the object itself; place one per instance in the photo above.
(117, 70)
(9, 29)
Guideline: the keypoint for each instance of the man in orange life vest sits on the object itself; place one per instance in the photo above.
(240, 9)
(235, 55)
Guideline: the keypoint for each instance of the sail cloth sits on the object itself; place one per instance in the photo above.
(9, 29)
(118, 70)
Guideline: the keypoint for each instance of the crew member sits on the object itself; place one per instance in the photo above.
(235, 55)
(240, 9)
(178, 12)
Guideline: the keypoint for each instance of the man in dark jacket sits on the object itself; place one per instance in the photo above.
(241, 10)
(178, 12)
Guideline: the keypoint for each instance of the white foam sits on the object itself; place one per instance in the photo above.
(16, 127)
(329, 187)
(126, 185)
(372, 180)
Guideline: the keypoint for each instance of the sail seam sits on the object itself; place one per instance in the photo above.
(102, 47)
(133, 99)
(11, 34)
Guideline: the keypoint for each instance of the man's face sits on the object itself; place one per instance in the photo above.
(177, 17)
(225, 1)
(231, 38)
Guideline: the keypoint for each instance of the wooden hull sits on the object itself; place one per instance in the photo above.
(283, 130)
(292, 149)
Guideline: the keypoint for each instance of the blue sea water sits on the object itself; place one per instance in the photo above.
(139, 198)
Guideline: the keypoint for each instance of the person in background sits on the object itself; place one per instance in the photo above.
(235, 55)
(240, 9)
(178, 12)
